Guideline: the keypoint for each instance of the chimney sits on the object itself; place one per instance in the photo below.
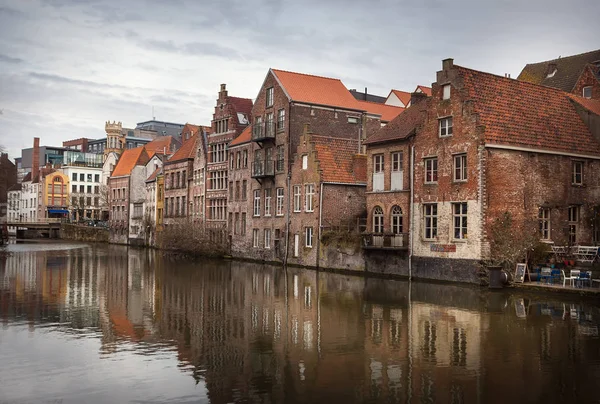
(365, 93)
(417, 97)
(35, 157)
(551, 68)
(447, 64)
(223, 92)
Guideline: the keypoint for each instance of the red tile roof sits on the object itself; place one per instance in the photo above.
(520, 114)
(403, 125)
(154, 175)
(316, 90)
(129, 159)
(426, 90)
(186, 151)
(387, 112)
(241, 105)
(403, 96)
(591, 105)
(244, 137)
(159, 145)
(338, 160)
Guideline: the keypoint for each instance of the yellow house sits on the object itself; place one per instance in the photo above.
(55, 195)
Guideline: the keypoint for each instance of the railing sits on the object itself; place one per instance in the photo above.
(385, 241)
(38, 220)
(263, 168)
(263, 131)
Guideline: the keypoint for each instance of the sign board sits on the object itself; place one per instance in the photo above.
(442, 247)
(520, 272)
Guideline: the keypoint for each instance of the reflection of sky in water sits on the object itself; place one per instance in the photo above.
(57, 246)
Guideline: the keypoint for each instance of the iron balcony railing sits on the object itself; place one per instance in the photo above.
(263, 168)
(385, 241)
(263, 131)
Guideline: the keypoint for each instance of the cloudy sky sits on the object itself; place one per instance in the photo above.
(67, 66)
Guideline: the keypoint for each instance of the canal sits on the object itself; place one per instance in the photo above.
(107, 324)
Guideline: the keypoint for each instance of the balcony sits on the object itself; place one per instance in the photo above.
(385, 241)
(263, 131)
(263, 168)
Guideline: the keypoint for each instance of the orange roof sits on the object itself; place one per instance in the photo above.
(186, 151)
(129, 159)
(159, 145)
(403, 96)
(154, 175)
(402, 126)
(591, 105)
(521, 114)
(316, 90)
(426, 90)
(244, 137)
(387, 112)
(338, 160)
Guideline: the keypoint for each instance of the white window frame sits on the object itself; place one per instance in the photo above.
(305, 161)
(396, 219)
(378, 163)
(267, 240)
(445, 126)
(431, 170)
(256, 211)
(460, 167)
(281, 119)
(446, 89)
(574, 214)
(430, 218)
(460, 220)
(545, 227)
(308, 237)
(268, 202)
(577, 177)
(297, 198)
(397, 161)
(583, 91)
(309, 192)
(280, 196)
(269, 97)
(377, 220)
(255, 240)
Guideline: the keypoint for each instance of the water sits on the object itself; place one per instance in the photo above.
(97, 324)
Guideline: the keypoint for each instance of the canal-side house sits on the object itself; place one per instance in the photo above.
(285, 103)
(85, 172)
(576, 74)
(53, 193)
(231, 117)
(8, 178)
(488, 145)
(151, 204)
(237, 202)
(198, 184)
(14, 206)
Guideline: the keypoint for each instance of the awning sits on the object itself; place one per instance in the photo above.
(59, 211)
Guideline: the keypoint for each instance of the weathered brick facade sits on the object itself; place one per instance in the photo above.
(589, 78)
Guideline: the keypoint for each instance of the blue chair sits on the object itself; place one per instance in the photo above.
(555, 275)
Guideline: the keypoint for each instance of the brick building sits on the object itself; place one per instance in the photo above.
(286, 102)
(577, 74)
(231, 117)
(198, 185)
(237, 202)
(485, 145)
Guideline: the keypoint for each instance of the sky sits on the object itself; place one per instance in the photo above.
(68, 66)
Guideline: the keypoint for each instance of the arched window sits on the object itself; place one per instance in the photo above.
(377, 220)
(396, 219)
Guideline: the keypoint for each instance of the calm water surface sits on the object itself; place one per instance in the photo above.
(97, 324)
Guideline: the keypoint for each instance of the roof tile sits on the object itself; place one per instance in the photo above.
(186, 151)
(244, 137)
(387, 112)
(401, 126)
(129, 159)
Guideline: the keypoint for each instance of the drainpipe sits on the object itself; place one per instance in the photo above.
(320, 224)
(412, 211)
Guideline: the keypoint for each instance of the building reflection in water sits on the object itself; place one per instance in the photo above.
(257, 332)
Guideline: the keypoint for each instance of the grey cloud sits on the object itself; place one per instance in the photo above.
(9, 59)
(194, 48)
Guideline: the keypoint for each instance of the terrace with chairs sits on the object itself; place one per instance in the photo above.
(569, 267)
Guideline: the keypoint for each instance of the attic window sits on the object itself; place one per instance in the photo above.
(446, 92)
(305, 161)
(587, 92)
(352, 119)
(552, 73)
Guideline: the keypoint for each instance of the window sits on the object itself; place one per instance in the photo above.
(74, 177)
(397, 176)
(257, 202)
(397, 158)
(217, 153)
(267, 238)
(446, 126)
(237, 190)
(231, 190)
(280, 158)
(217, 179)
(96, 177)
(377, 220)
(222, 125)
(217, 209)
(430, 220)
(138, 210)
(243, 229)
(82, 188)
(279, 209)
(578, 173)
(245, 159)
(297, 198)
(460, 167)
(308, 239)
(309, 192)
(431, 173)
(89, 178)
(269, 125)
(352, 119)
(459, 214)
(238, 160)
(305, 161)
(396, 219)
(587, 92)
(269, 97)
(244, 189)
(544, 219)
(573, 222)
(446, 92)
(268, 202)
(73, 188)
(281, 120)
(81, 177)
(255, 235)
(89, 189)
(378, 163)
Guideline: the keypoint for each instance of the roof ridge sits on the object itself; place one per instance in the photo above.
(527, 83)
(380, 103)
(563, 58)
(239, 98)
(306, 74)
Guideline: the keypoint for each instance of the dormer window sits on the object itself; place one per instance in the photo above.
(587, 92)
(446, 92)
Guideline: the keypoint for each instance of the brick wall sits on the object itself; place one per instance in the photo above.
(587, 79)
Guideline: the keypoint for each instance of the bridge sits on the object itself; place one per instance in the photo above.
(45, 227)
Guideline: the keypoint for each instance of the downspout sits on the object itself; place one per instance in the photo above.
(289, 180)
(320, 225)
(412, 211)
